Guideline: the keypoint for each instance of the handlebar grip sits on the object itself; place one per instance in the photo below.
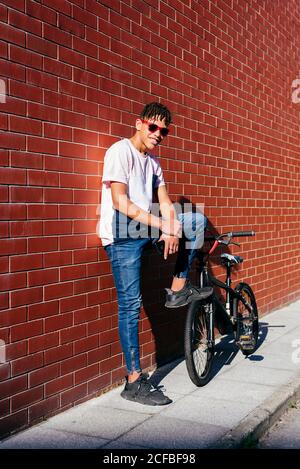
(234, 234)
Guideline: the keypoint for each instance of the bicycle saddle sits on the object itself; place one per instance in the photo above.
(231, 259)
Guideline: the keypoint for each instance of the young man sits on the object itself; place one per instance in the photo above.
(132, 176)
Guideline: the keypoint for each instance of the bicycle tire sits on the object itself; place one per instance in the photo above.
(198, 352)
(246, 320)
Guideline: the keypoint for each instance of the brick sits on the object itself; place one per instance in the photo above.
(26, 160)
(100, 382)
(85, 314)
(72, 333)
(57, 227)
(41, 12)
(4, 264)
(44, 408)
(43, 310)
(62, 6)
(58, 385)
(71, 58)
(16, 350)
(70, 304)
(72, 242)
(12, 246)
(86, 285)
(58, 322)
(4, 407)
(41, 46)
(85, 255)
(57, 259)
(4, 123)
(27, 262)
(22, 125)
(74, 394)
(98, 297)
(4, 372)
(45, 374)
(56, 35)
(74, 150)
(57, 354)
(18, 229)
(43, 277)
(42, 79)
(84, 375)
(13, 422)
(13, 281)
(43, 342)
(86, 344)
(9, 69)
(44, 113)
(88, 108)
(26, 57)
(13, 386)
(42, 212)
(58, 69)
(26, 398)
(25, 23)
(58, 132)
(99, 354)
(73, 363)
(26, 364)
(12, 140)
(110, 364)
(71, 25)
(97, 38)
(26, 296)
(26, 330)
(13, 212)
(13, 35)
(26, 194)
(42, 178)
(72, 211)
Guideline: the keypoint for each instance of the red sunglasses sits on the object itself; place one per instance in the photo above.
(154, 127)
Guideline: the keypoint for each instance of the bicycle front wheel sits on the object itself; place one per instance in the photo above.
(198, 342)
(246, 315)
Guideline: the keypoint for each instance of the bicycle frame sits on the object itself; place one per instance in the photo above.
(207, 279)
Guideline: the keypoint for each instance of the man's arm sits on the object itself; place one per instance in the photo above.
(121, 202)
(169, 213)
(165, 204)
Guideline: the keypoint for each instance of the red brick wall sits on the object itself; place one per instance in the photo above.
(76, 74)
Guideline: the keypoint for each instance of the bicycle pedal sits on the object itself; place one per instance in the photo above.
(246, 341)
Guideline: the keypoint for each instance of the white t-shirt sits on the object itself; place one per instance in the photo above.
(141, 172)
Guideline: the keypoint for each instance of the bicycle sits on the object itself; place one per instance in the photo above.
(239, 309)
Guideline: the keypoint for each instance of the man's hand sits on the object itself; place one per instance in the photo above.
(171, 227)
(171, 244)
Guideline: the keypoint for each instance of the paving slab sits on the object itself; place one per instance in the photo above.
(107, 423)
(48, 438)
(171, 433)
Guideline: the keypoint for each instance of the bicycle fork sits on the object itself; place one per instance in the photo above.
(209, 312)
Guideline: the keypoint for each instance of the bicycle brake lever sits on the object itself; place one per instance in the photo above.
(222, 241)
(236, 244)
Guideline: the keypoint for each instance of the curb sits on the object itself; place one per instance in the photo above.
(247, 433)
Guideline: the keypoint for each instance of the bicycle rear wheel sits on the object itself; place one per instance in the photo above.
(246, 316)
(198, 342)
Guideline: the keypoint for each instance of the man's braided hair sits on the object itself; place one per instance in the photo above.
(158, 111)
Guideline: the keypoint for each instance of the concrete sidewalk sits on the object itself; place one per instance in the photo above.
(244, 396)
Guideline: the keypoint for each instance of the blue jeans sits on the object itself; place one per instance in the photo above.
(126, 258)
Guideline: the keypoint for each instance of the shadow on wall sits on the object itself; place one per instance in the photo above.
(164, 326)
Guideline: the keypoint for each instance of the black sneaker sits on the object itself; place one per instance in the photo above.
(143, 392)
(186, 295)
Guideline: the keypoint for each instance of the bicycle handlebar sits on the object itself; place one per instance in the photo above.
(236, 234)
(230, 235)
